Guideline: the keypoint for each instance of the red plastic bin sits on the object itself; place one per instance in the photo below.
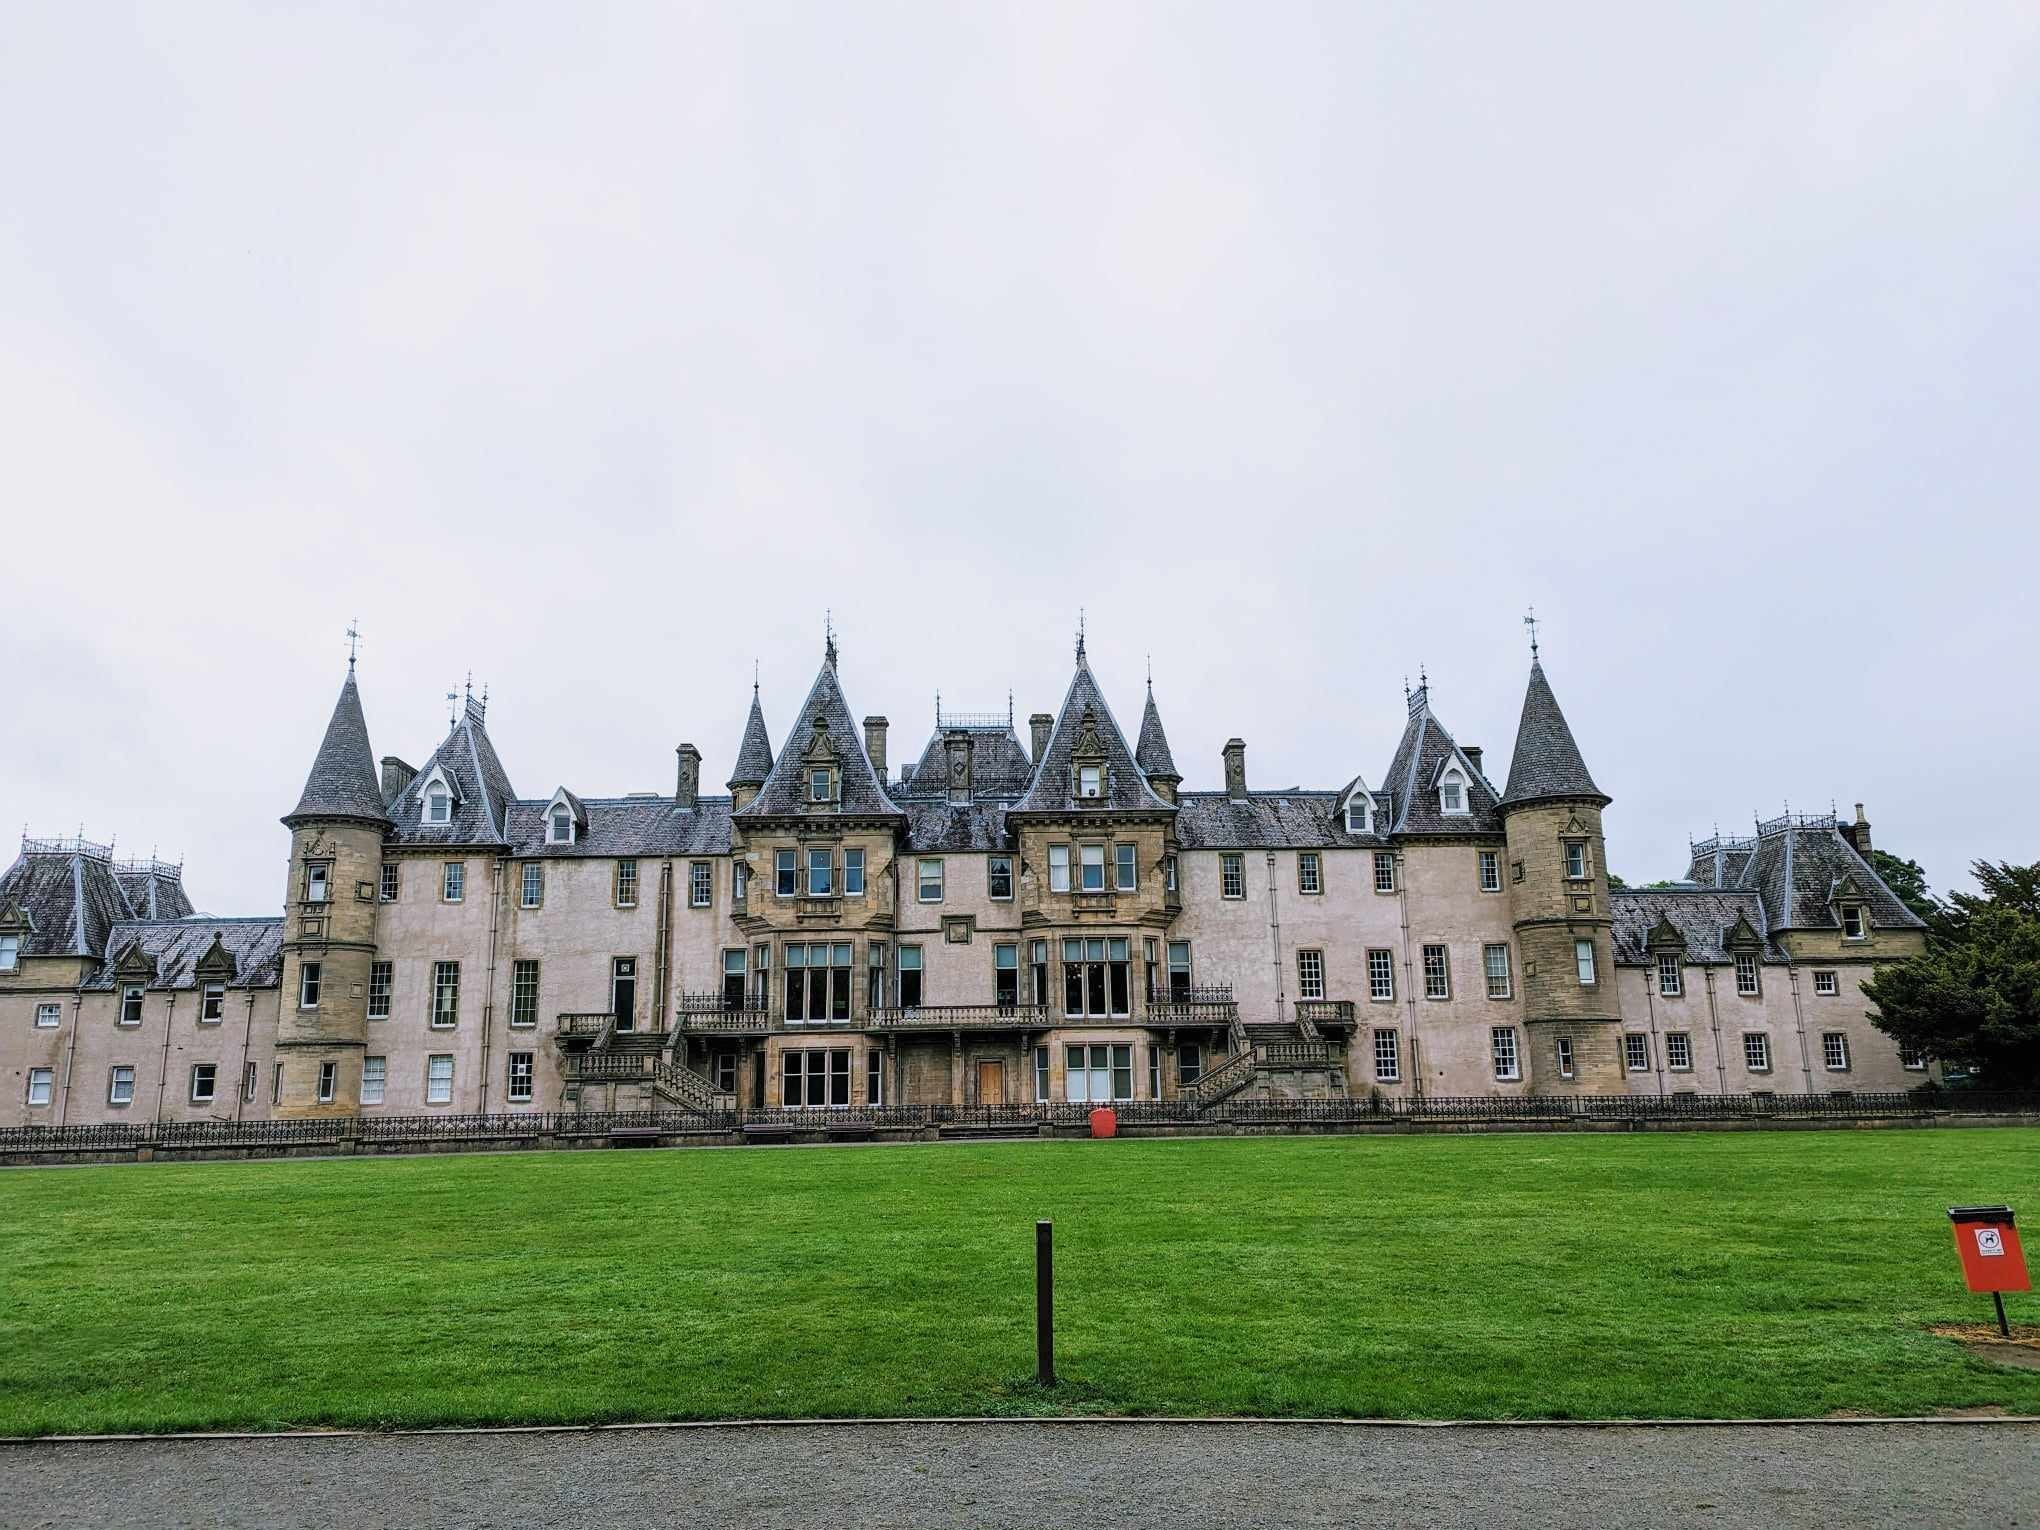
(1105, 1123)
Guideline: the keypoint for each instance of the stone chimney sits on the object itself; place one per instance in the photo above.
(1040, 725)
(687, 784)
(1859, 833)
(956, 744)
(1236, 769)
(874, 744)
(1472, 753)
(396, 775)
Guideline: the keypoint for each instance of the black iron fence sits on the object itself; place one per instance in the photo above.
(526, 1126)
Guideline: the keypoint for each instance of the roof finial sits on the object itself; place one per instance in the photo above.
(1530, 621)
(829, 637)
(1009, 706)
(754, 679)
(1423, 676)
(1406, 688)
(938, 706)
(451, 715)
(1080, 634)
(470, 688)
(1151, 676)
(353, 639)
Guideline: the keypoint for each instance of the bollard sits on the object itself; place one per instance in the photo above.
(1044, 1303)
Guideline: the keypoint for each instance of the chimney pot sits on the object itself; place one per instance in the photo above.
(874, 743)
(956, 742)
(1236, 769)
(1472, 753)
(687, 784)
(1040, 725)
(396, 775)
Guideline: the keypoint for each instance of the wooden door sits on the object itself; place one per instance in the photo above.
(991, 1081)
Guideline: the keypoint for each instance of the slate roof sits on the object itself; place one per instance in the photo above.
(754, 754)
(482, 790)
(72, 900)
(783, 793)
(1703, 916)
(343, 783)
(1152, 752)
(1411, 785)
(1053, 787)
(154, 894)
(177, 944)
(1797, 865)
(934, 826)
(624, 826)
(1547, 762)
(999, 766)
(1303, 820)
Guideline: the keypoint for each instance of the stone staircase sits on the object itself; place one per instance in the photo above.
(1275, 1059)
(636, 1072)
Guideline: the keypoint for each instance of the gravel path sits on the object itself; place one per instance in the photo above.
(1137, 1476)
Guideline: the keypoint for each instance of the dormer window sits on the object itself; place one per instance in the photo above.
(1090, 780)
(438, 806)
(10, 952)
(1452, 793)
(562, 826)
(1853, 927)
(821, 783)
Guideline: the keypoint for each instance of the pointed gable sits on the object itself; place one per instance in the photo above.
(1547, 763)
(1086, 732)
(754, 754)
(1426, 751)
(822, 732)
(481, 789)
(1152, 753)
(343, 783)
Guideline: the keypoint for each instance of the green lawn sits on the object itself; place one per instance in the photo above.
(1491, 1276)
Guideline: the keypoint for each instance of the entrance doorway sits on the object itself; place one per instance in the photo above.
(991, 1081)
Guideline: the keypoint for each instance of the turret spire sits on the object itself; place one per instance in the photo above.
(1547, 762)
(342, 782)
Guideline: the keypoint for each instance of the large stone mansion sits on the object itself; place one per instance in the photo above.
(1000, 921)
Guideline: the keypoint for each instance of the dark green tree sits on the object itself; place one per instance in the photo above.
(1973, 999)
(1909, 881)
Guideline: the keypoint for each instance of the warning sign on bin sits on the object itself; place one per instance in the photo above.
(1988, 1244)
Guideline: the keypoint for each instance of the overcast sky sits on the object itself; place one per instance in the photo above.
(599, 351)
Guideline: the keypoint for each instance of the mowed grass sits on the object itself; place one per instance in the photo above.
(1491, 1276)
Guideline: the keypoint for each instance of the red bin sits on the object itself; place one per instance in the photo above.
(1105, 1123)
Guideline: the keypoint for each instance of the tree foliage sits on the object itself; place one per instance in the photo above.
(1973, 999)
(1909, 881)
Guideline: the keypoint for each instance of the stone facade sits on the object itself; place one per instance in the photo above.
(996, 922)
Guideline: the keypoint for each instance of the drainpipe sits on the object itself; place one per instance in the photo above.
(500, 873)
(1275, 939)
(1799, 1022)
(1714, 1024)
(1657, 1048)
(163, 1074)
(1402, 907)
(71, 1055)
(662, 959)
(247, 1038)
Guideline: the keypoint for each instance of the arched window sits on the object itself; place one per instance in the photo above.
(1452, 793)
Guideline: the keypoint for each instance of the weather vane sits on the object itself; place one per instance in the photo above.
(353, 639)
(1530, 621)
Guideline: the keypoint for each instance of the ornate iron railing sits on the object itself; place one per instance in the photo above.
(1209, 1101)
(1215, 1014)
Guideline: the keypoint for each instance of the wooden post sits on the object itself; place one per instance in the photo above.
(1044, 1303)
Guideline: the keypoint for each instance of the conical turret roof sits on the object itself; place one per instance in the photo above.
(1152, 753)
(1547, 762)
(754, 755)
(343, 781)
(1086, 724)
(822, 729)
